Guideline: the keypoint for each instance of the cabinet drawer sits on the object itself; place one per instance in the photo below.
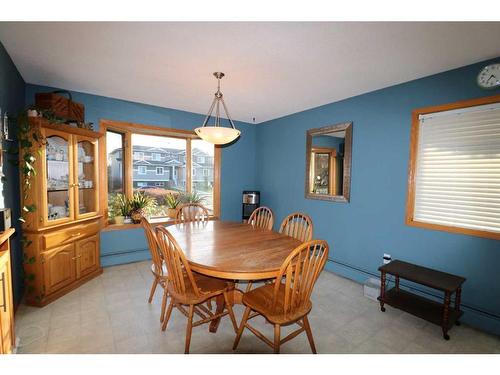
(63, 236)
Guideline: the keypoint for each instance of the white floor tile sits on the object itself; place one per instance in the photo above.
(110, 314)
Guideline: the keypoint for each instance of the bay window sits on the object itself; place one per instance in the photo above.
(158, 161)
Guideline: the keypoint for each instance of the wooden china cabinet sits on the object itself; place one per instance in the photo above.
(62, 249)
(7, 336)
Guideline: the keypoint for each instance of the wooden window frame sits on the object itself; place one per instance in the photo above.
(410, 200)
(127, 129)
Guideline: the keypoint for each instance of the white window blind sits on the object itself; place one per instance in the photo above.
(457, 176)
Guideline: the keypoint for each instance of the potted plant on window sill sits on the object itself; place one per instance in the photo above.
(122, 208)
(140, 204)
(172, 201)
(193, 197)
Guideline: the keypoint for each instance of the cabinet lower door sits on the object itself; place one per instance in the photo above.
(87, 254)
(6, 334)
(59, 267)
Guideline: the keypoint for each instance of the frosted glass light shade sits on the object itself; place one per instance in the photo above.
(217, 135)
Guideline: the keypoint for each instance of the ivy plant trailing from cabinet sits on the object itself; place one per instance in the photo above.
(27, 150)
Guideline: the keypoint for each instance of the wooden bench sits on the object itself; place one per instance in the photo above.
(432, 311)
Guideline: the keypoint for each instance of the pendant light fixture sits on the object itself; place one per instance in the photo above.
(217, 134)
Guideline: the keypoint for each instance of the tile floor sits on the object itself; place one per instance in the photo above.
(110, 314)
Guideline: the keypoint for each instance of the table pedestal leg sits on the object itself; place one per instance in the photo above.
(214, 324)
(446, 315)
(234, 296)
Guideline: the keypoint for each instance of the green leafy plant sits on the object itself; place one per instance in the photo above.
(192, 197)
(121, 205)
(26, 151)
(172, 200)
(140, 205)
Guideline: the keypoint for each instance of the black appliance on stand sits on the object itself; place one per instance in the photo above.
(251, 201)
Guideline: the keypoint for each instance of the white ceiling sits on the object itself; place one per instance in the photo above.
(272, 69)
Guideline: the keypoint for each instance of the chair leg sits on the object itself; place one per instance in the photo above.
(242, 327)
(189, 328)
(163, 305)
(231, 313)
(209, 304)
(167, 316)
(249, 287)
(307, 327)
(153, 289)
(277, 334)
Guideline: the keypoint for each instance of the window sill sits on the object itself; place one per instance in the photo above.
(153, 222)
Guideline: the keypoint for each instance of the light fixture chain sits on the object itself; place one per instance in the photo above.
(217, 133)
(209, 113)
(217, 113)
(227, 113)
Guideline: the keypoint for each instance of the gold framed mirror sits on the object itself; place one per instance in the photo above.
(328, 163)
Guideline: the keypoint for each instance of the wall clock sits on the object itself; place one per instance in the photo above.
(489, 77)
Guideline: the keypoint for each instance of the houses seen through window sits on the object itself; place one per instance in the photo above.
(158, 167)
(203, 171)
(155, 182)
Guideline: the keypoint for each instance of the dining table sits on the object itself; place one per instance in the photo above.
(232, 251)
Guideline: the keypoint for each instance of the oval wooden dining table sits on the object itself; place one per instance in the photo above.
(233, 251)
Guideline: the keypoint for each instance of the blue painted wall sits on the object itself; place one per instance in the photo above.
(11, 100)
(358, 232)
(374, 221)
(237, 173)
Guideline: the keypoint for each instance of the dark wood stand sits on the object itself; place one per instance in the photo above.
(432, 311)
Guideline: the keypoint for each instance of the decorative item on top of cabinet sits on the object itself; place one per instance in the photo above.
(62, 107)
(61, 235)
(7, 336)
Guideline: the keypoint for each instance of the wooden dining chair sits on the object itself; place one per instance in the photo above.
(297, 225)
(262, 217)
(287, 300)
(158, 267)
(187, 288)
(191, 212)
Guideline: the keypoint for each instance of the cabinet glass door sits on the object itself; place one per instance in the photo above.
(58, 175)
(86, 176)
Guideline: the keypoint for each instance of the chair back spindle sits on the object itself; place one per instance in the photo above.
(191, 212)
(297, 225)
(153, 246)
(262, 217)
(299, 273)
(177, 265)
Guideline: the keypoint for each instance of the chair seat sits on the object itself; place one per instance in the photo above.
(208, 284)
(261, 299)
(208, 287)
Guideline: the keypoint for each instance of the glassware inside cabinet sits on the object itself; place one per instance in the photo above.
(86, 177)
(58, 171)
